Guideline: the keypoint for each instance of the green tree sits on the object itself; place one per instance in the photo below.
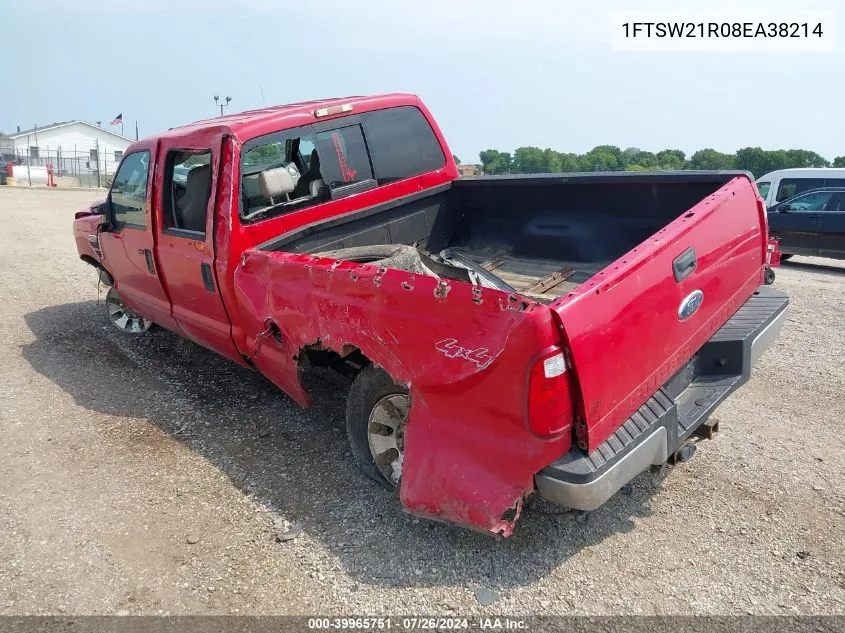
(602, 158)
(645, 159)
(839, 161)
(569, 162)
(710, 159)
(805, 158)
(628, 155)
(456, 159)
(529, 160)
(495, 162)
(759, 161)
(671, 159)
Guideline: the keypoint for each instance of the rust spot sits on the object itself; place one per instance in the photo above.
(381, 270)
(406, 285)
(353, 276)
(441, 291)
(377, 281)
(476, 295)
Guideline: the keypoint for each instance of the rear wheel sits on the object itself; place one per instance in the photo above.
(376, 419)
(122, 317)
(785, 256)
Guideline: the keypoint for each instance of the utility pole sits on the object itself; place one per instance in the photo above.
(221, 104)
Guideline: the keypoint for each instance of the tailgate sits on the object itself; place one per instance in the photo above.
(635, 323)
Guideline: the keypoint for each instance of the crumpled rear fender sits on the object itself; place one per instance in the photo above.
(462, 351)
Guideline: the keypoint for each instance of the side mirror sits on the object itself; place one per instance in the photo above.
(108, 212)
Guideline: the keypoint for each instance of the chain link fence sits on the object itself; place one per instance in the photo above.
(74, 166)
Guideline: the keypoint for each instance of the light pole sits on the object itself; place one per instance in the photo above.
(221, 104)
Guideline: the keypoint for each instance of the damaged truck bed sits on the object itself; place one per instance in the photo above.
(503, 336)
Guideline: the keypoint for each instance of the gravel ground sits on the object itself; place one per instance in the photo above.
(144, 476)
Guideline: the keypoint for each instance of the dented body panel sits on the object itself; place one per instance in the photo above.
(468, 347)
(451, 347)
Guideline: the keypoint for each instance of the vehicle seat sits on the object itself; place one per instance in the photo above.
(312, 180)
(194, 203)
(276, 183)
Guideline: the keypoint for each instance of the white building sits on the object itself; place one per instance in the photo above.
(74, 148)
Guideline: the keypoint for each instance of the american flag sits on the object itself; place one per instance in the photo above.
(118, 119)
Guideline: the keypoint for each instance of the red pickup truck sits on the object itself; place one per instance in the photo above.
(556, 334)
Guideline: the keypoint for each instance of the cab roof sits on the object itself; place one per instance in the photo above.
(252, 123)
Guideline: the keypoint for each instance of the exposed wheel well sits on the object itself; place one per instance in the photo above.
(105, 276)
(90, 260)
(348, 362)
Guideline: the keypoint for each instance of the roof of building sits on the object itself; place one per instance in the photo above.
(53, 126)
(252, 123)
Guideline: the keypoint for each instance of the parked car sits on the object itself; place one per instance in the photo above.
(783, 184)
(556, 334)
(811, 223)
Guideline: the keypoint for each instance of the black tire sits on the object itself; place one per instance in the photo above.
(769, 277)
(785, 256)
(369, 387)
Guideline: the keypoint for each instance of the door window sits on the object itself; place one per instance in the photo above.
(129, 190)
(813, 202)
(763, 188)
(188, 189)
(278, 174)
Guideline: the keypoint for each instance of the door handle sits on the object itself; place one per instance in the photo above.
(148, 255)
(207, 277)
(684, 264)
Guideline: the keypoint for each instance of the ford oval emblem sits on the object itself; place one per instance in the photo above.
(690, 305)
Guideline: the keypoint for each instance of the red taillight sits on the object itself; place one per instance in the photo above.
(549, 398)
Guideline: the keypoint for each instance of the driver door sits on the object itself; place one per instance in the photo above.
(128, 244)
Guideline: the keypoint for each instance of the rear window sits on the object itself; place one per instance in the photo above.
(343, 156)
(402, 144)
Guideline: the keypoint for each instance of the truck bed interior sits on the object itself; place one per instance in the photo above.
(541, 235)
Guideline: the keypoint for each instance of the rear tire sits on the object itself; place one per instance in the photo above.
(785, 256)
(376, 417)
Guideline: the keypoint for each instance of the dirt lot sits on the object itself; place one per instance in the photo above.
(138, 477)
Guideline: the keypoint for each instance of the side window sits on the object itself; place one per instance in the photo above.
(763, 188)
(790, 187)
(129, 190)
(834, 182)
(187, 190)
(343, 156)
(402, 144)
(278, 174)
(306, 147)
(812, 202)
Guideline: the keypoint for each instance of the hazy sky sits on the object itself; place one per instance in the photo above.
(495, 73)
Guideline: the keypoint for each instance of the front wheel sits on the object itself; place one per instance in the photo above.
(122, 317)
(376, 418)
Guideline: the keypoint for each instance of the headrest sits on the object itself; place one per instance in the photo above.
(275, 182)
(198, 177)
